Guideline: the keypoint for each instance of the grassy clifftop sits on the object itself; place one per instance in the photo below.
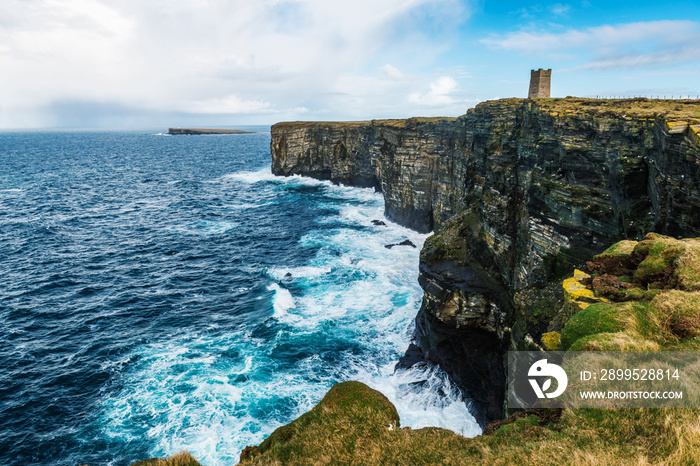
(394, 123)
(638, 107)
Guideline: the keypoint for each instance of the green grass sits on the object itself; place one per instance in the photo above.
(622, 248)
(394, 123)
(355, 434)
(181, 459)
(351, 414)
(595, 319)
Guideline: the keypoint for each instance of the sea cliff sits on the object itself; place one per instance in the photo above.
(519, 193)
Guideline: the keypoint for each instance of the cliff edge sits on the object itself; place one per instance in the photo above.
(519, 192)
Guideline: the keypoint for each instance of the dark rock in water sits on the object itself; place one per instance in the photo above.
(288, 275)
(414, 356)
(378, 223)
(406, 242)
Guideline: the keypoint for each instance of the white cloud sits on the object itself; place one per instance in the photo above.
(229, 104)
(439, 93)
(642, 60)
(207, 55)
(666, 32)
(559, 9)
(392, 72)
(57, 48)
(609, 46)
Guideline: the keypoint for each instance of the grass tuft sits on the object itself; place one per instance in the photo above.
(595, 319)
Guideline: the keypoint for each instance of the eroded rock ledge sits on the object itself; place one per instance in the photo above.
(518, 192)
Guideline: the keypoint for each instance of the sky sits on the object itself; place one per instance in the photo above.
(135, 63)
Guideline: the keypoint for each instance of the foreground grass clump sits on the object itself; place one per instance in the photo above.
(181, 459)
(353, 433)
(346, 421)
(360, 427)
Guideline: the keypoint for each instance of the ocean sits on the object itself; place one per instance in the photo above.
(165, 293)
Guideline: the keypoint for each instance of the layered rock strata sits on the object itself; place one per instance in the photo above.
(518, 195)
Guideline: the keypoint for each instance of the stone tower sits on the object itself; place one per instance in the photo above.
(540, 81)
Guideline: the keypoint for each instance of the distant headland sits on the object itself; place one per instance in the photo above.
(178, 131)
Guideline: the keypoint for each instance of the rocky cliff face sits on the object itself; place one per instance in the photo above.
(413, 162)
(518, 193)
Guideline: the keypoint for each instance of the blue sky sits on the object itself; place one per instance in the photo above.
(97, 63)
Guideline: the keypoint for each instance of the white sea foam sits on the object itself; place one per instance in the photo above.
(265, 175)
(213, 395)
(200, 405)
(250, 177)
(282, 300)
(384, 301)
(205, 227)
(424, 397)
(280, 273)
(246, 205)
(248, 366)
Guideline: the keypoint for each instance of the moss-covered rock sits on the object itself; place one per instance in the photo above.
(552, 341)
(579, 296)
(620, 249)
(594, 319)
(659, 264)
(653, 308)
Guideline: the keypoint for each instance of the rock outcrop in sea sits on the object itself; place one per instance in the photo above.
(519, 193)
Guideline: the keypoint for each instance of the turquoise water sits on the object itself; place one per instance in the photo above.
(168, 293)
